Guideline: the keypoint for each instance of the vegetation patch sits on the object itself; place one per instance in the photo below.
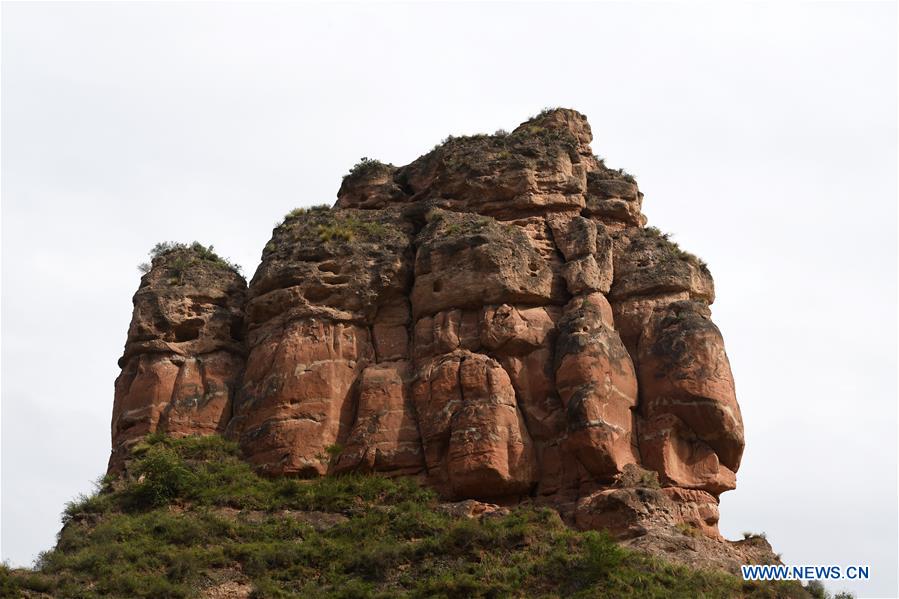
(546, 110)
(190, 511)
(614, 173)
(664, 241)
(181, 256)
(452, 224)
(298, 212)
(527, 143)
(368, 167)
(347, 228)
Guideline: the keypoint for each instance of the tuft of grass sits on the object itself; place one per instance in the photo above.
(687, 530)
(546, 110)
(298, 212)
(189, 509)
(625, 175)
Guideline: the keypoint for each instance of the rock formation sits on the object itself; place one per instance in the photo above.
(494, 318)
(185, 351)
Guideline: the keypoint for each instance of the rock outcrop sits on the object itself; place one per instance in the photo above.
(494, 318)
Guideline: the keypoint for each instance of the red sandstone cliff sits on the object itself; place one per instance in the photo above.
(493, 318)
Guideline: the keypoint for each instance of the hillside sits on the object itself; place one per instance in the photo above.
(194, 520)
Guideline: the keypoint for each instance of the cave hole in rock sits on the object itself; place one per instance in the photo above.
(236, 329)
(188, 330)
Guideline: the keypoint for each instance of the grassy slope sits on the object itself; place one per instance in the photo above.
(175, 530)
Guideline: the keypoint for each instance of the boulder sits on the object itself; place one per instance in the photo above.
(574, 235)
(370, 185)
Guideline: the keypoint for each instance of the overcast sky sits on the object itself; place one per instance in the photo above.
(763, 135)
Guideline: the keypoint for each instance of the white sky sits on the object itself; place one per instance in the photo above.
(763, 135)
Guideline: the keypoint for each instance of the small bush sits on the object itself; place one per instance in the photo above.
(614, 173)
(9, 586)
(85, 504)
(162, 477)
(601, 555)
(626, 175)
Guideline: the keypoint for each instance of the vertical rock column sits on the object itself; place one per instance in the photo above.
(691, 431)
(184, 353)
(594, 374)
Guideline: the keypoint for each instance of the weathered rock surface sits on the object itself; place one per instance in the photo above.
(384, 437)
(328, 296)
(493, 318)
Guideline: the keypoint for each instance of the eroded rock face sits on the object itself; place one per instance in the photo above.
(465, 261)
(493, 318)
(328, 298)
(384, 437)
